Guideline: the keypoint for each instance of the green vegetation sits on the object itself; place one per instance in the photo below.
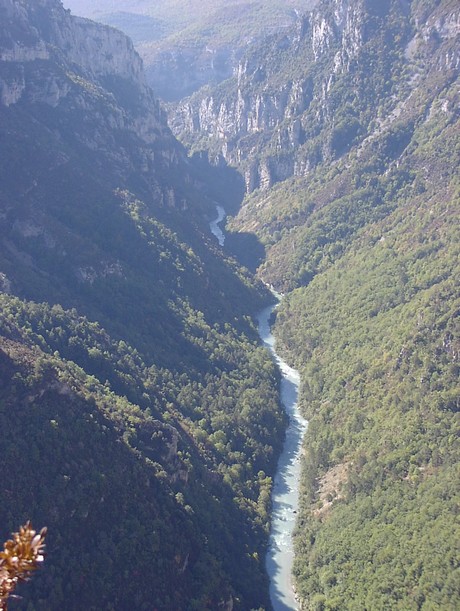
(377, 338)
(365, 246)
(132, 384)
(140, 418)
(185, 453)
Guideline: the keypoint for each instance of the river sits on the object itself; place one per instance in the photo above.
(285, 495)
(215, 225)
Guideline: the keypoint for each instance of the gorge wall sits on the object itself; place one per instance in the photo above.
(127, 351)
(132, 384)
(283, 113)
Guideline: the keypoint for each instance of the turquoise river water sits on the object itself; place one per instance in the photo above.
(285, 495)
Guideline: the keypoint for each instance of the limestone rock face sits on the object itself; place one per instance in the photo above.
(255, 106)
(267, 119)
(73, 91)
(97, 59)
(97, 49)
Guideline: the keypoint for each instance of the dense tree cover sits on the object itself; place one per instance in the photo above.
(377, 337)
(375, 333)
(365, 246)
(140, 418)
(186, 463)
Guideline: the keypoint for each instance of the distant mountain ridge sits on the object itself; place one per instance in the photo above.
(186, 44)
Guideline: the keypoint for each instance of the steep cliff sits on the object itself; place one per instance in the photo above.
(127, 356)
(186, 45)
(79, 88)
(86, 64)
(94, 50)
(365, 138)
(309, 94)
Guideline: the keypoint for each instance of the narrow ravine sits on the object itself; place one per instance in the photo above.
(285, 494)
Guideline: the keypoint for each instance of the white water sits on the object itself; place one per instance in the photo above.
(285, 495)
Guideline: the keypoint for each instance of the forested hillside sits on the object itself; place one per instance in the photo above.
(377, 338)
(347, 131)
(140, 418)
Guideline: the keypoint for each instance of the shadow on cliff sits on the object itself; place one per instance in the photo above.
(225, 186)
(222, 184)
(246, 248)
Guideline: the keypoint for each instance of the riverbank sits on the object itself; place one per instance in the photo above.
(285, 494)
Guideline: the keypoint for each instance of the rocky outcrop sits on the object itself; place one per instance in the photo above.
(96, 59)
(278, 117)
(79, 88)
(99, 50)
(442, 29)
(5, 284)
(253, 111)
(93, 77)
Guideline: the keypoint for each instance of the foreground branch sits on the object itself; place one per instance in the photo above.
(21, 555)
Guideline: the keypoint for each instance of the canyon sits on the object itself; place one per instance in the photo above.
(133, 383)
